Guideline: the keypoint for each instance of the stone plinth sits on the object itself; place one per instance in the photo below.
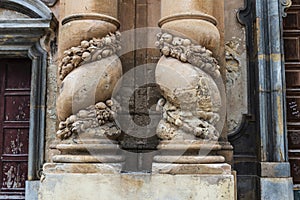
(91, 186)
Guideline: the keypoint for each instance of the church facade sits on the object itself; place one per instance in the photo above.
(154, 99)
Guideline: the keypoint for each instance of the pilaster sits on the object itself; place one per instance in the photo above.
(272, 116)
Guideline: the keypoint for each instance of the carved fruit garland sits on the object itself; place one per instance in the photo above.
(184, 50)
(95, 119)
(200, 120)
(98, 119)
(89, 51)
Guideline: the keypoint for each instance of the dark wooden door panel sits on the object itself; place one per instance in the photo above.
(292, 42)
(15, 82)
(17, 107)
(292, 71)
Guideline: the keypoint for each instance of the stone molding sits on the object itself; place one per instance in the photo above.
(50, 3)
(31, 8)
(188, 15)
(91, 16)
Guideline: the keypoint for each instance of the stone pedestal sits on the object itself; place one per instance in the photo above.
(76, 157)
(91, 186)
(189, 157)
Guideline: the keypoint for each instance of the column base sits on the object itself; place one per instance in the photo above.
(88, 186)
(67, 168)
(172, 168)
(31, 190)
(276, 188)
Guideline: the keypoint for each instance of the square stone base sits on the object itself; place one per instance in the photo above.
(91, 186)
(32, 188)
(276, 188)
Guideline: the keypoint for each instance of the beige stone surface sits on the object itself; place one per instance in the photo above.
(10, 14)
(88, 158)
(181, 6)
(107, 7)
(51, 117)
(236, 65)
(72, 33)
(163, 168)
(192, 100)
(193, 19)
(189, 159)
(85, 23)
(91, 168)
(204, 33)
(88, 84)
(136, 186)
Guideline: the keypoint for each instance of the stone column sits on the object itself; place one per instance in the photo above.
(89, 70)
(191, 83)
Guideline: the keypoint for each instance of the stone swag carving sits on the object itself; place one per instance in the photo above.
(89, 51)
(95, 120)
(87, 131)
(98, 119)
(190, 111)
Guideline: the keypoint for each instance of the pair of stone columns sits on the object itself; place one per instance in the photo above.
(188, 75)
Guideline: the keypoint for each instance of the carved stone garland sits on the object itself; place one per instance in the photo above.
(196, 115)
(186, 75)
(89, 51)
(89, 133)
(95, 120)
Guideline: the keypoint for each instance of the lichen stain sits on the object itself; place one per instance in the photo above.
(132, 182)
(276, 57)
(280, 114)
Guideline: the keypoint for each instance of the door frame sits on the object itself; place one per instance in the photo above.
(28, 45)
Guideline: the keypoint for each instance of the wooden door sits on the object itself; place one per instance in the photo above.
(15, 84)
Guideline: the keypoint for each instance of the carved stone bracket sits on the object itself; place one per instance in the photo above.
(285, 4)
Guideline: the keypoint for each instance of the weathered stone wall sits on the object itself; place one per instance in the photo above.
(137, 186)
(52, 91)
(236, 65)
(236, 74)
(51, 119)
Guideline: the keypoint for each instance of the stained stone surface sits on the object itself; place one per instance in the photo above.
(192, 169)
(10, 14)
(136, 186)
(236, 65)
(91, 83)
